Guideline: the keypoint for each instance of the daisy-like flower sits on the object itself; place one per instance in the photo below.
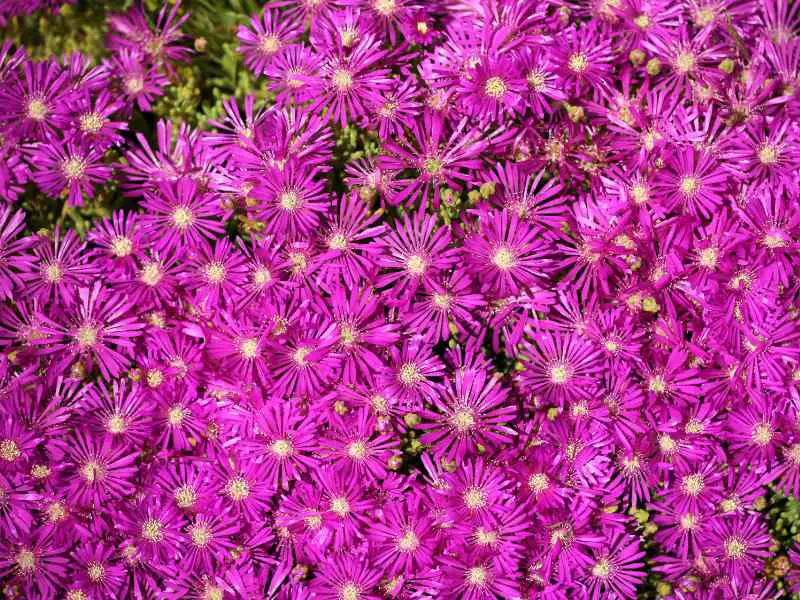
(36, 562)
(348, 82)
(346, 506)
(97, 571)
(406, 537)
(60, 265)
(285, 441)
(99, 471)
(561, 367)
(140, 82)
(476, 576)
(217, 275)
(493, 89)
(413, 374)
(441, 304)
(542, 89)
(207, 541)
(101, 330)
(537, 202)
(29, 103)
(266, 37)
(118, 413)
(72, 166)
(181, 214)
(693, 181)
(346, 577)
(416, 251)
(740, 543)
(473, 411)
(354, 445)
(583, 58)
(397, 109)
(290, 201)
(506, 253)
(14, 261)
(617, 568)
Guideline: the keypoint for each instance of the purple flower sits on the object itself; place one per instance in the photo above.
(71, 166)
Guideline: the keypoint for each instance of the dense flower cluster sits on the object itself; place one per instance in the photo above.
(541, 342)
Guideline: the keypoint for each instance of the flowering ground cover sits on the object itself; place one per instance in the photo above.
(360, 299)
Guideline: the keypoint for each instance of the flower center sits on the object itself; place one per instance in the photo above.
(116, 424)
(299, 356)
(768, 154)
(121, 246)
(416, 265)
(261, 277)
(37, 109)
(559, 374)
(215, 272)
(175, 415)
(342, 80)
(385, 7)
(348, 335)
(9, 450)
(201, 535)
(26, 561)
(96, 572)
(92, 122)
(153, 530)
(337, 242)
(182, 217)
(86, 336)
(503, 258)
(689, 186)
(642, 21)
(349, 591)
(433, 166)
(53, 273)
(578, 62)
(237, 489)
(536, 81)
(269, 44)
(689, 521)
(693, 484)
(477, 576)
(640, 193)
(248, 348)
(409, 542)
(685, 62)
(735, 548)
(442, 301)
(762, 434)
(340, 506)
(290, 201)
(657, 385)
(601, 569)
(155, 377)
(538, 482)
(151, 274)
(474, 498)
(775, 239)
(495, 87)
(463, 420)
(793, 454)
(357, 450)
(410, 374)
(93, 471)
(281, 448)
(73, 168)
(185, 496)
(709, 257)
(56, 512)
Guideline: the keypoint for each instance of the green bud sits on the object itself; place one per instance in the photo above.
(726, 66)
(487, 189)
(411, 419)
(636, 57)
(653, 67)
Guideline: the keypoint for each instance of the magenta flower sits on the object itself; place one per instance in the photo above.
(67, 165)
(99, 471)
(266, 37)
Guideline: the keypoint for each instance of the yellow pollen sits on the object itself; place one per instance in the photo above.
(349, 591)
(269, 44)
(642, 21)
(559, 374)
(385, 7)
(215, 272)
(342, 80)
(121, 246)
(416, 265)
(735, 548)
(689, 185)
(538, 482)
(201, 535)
(56, 512)
(693, 484)
(299, 262)
(153, 531)
(348, 335)
(299, 356)
(185, 496)
(53, 273)
(774, 240)
(176, 414)
(76, 595)
(37, 110)
(612, 346)
(704, 16)
(422, 27)
(762, 434)
(640, 193)
(248, 348)
(73, 168)
(93, 471)
(463, 420)
(261, 277)
(134, 85)
(116, 424)
(578, 62)
(357, 450)
(313, 522)
(689, 521)
(685, 62)
(433, 166)
(409, 542)
(768, 154)
(708, 257)
(349, 36)
(237, 489)
(442, 301)
(38, 471)
(290, 201)
(536, 81)
(340, 506)
(601, 569)
(474, 498)
(730, 504)
(793, 454)
(182, 217)
(92, 122)
(26, 561)
(96, 571)
(410, 374)
(495, 87)
(9, 450)
(657, 385)
(86, 336)
(281, 448)
(154, 378)
(485, 537)
(504, 259)
(337, 242)
(477, 576)
(666, 443)
(151, 274)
